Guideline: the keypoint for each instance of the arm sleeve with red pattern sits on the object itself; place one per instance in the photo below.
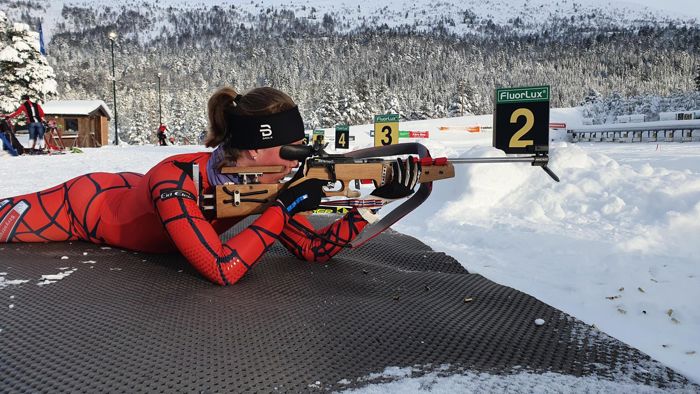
(198, 241)
(310, 245)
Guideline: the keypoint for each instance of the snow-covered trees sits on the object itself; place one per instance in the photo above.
(23, 70)
(697, 77)
(327, 112)
(605, 109)
(342, 73)
(464, 101)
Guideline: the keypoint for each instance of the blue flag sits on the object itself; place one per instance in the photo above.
(41, 41)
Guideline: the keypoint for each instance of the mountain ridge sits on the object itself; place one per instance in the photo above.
(457, 16)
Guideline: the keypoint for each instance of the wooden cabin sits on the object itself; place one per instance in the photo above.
(81, 123)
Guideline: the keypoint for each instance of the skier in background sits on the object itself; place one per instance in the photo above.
(161, 134)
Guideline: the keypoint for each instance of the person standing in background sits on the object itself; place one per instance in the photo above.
(34, 115)
(161, 134)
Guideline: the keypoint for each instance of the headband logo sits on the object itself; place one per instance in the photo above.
(266, 131)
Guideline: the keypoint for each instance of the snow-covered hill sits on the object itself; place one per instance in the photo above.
(458, 16)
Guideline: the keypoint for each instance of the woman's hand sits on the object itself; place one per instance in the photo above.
(404, 177)
(303, 197)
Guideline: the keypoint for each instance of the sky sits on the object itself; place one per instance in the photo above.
(613, 244)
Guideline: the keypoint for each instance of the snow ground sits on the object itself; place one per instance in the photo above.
(614, 244)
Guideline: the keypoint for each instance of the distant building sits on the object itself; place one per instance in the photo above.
(635, 118)
(679, 115)
(83, 123)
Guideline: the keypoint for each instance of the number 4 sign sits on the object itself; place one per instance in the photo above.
(521, 120)
(342, 136)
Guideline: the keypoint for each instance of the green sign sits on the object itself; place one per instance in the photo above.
(522, 95)
(386, 118)
(403, 134)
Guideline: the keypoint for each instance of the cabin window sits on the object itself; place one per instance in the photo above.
(71, 126)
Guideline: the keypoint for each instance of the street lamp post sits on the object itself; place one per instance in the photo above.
(112, 38)
(160, 109)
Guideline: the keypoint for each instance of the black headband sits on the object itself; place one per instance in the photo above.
(264, 131)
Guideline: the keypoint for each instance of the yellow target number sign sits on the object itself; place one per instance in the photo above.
(317, 137)
(386, 129)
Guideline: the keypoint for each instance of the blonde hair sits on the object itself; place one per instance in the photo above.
(258, 101)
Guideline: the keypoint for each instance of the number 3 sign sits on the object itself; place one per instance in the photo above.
(386, 129)
(521, 120)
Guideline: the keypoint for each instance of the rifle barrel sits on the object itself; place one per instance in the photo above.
(540, 161)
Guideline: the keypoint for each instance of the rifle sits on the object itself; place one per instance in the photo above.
(369, 164)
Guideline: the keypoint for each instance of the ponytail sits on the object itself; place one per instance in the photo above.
(220, 103)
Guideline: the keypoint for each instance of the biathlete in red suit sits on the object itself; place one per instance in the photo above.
(158, 211)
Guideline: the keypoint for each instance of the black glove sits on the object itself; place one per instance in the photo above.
(305, 196)
(404, 177)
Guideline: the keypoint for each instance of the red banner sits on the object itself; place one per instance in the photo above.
(418, 134)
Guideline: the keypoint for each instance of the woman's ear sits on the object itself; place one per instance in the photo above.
(252, 154)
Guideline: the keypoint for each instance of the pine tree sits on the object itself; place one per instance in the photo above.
(464, 101)
(24, 69)
(327, 113)
(364, 106)
(614, 106)
(697, 77)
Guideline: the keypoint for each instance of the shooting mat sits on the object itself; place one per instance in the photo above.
(113, 320)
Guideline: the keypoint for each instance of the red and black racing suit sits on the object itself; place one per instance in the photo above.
(157, 213)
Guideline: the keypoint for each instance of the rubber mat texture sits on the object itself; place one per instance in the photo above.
(120, 321)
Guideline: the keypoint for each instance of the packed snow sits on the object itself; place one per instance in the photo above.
(405, 380)
(615, 243)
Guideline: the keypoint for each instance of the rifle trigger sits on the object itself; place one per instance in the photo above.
(331, 170)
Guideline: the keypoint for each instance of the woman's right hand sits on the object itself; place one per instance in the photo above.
(305, 196)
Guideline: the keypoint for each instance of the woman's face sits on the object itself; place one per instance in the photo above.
(271, 157)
